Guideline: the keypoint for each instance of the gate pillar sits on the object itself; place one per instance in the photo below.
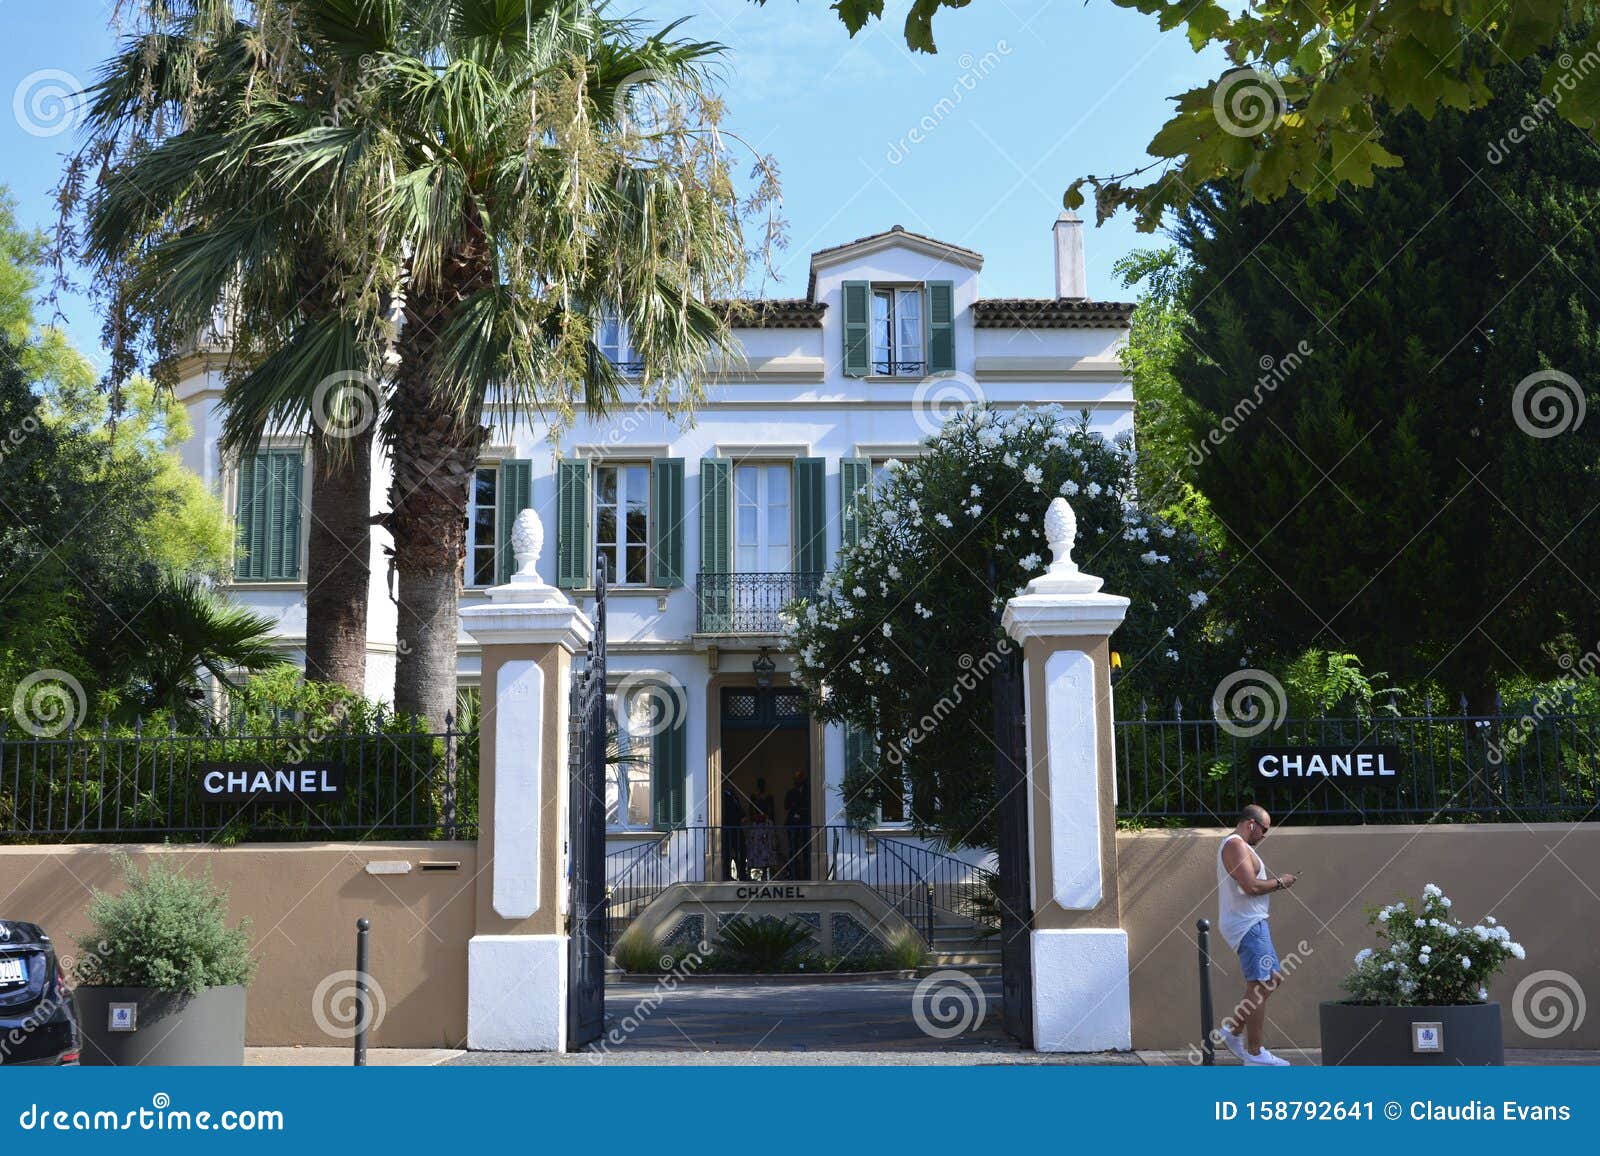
(517, 957)
(1079, 952)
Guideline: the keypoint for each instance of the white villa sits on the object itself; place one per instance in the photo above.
(709, 530)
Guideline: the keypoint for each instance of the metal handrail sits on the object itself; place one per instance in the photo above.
(748, 603)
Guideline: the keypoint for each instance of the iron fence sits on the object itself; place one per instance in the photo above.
(930, 888)
(114, 787)
(1451, 768)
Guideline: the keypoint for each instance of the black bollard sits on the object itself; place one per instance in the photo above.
(1208, 1044)
(363, 929)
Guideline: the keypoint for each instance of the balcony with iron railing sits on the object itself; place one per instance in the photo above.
(748, 605)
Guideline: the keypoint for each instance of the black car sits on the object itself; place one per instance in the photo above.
(38, 1022)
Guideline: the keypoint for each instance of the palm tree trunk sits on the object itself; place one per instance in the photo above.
(435, 450)
(338, 561)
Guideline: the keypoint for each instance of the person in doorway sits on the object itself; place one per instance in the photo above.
(1244, 889)
(797, 818)
(733, 832)
(763, 847)
(762, 801)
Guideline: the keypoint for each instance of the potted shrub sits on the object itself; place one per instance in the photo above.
(161, 976)
(1422, 995)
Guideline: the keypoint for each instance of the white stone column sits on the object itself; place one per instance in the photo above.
(517, 958)
(1079, 951)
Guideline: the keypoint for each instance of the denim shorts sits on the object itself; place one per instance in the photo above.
(1256, 953)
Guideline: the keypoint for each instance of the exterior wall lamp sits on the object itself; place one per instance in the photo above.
(764, 667)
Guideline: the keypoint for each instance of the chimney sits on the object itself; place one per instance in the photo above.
(1071, 280)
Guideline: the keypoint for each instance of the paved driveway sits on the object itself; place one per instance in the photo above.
(877, 1016)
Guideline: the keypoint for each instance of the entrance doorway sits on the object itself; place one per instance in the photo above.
(766, 793)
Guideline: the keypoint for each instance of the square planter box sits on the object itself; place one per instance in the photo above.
(1366, 1034)
(169, 1029)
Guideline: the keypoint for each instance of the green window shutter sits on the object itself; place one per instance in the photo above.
(941, 327)
(267, 515)
(669, 763)
(857, 329)
(666, 521)
(716, 514)
(811, 516)
(572, 524)
(513, 494)
(855, 476)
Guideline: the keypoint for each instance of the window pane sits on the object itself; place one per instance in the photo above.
(638, 484)
(609, 553)
(483, 566)
(777, 484)
(605, 486)
(882, 330)
(744, 559)
(778, 525)
(638, 524)
(638, 565)
(484, 488)
(744, 480)
(605, 524)
(745, 531)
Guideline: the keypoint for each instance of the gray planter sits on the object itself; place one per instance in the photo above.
(170, 1030)
(1461, 1034)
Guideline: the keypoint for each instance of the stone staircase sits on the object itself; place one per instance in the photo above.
(959, 945)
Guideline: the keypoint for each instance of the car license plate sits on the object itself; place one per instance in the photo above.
(13, 971)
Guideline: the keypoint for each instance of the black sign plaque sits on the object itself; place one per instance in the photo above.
(1307, 766)
(277, 782)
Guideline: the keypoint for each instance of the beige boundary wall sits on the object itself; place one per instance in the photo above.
(1541, 880)
(302, 900)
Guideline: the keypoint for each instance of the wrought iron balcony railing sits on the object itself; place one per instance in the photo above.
(748, 603)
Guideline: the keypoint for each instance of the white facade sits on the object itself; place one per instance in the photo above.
(792, 399)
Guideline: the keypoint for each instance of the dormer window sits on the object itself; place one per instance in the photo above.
(897, 333)
(898, 330)
(615, 342)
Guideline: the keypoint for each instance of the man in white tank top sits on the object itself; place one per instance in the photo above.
(1244, 886)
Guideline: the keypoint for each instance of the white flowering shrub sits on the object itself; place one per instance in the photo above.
(1428, 957)
(902, 636)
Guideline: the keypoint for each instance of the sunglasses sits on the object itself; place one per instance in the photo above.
(1264, 829)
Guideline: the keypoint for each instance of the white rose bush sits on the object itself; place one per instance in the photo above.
(1429, 958)
(902, 636)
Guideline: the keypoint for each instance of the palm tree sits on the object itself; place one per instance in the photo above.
(517, 202)
(185, 231)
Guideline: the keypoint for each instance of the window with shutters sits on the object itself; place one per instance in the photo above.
(897, 331)
(481, 527)
(622, 521)
(268, 497)
(616, 343)
(628, 777)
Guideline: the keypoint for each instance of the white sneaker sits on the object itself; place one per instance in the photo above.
(1265, 1059)
(1233, 1043)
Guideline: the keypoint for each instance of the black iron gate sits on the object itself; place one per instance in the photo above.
(1016, 909)
(586, 851)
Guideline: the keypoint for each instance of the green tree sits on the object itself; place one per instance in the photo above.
(903, 635)
(186, 238)
(1298, 105)
(1393, 438)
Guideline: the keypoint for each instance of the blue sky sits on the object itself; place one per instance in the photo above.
(1036, 94)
